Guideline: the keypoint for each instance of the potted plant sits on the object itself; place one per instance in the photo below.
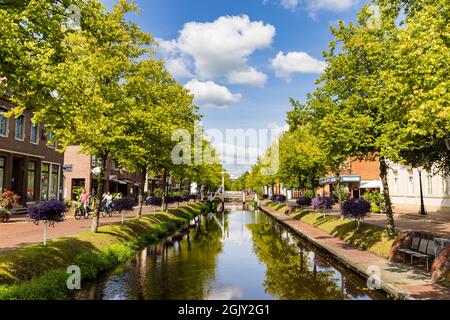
(8, 200)
(356, 208)
(123, 204)
(49, 212)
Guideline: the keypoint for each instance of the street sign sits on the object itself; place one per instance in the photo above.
(68, 168)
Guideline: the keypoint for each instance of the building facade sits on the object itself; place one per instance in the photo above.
(78, 173)
(360, 176)
(404, 188)
(28, 165)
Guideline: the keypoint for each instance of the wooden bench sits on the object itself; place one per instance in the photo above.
(421, 249)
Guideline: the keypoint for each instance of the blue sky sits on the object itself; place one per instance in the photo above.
(224, 52)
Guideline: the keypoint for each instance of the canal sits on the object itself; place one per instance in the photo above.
(251, 257)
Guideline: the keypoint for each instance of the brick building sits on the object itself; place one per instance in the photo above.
(28, 166)
(78, 174)
(359, 176)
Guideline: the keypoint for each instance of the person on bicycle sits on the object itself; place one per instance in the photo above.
(107, 197)
(85, 199)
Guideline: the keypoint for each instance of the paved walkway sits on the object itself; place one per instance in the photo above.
(399, 279)
(19, 231)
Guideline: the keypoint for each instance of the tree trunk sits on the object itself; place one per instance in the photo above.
(98, 202)
(163, 196)
(142, 191)
(338, 193)
(390, 226)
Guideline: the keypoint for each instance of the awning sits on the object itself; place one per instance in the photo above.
(342, 179)
(370, 184)
(119, 181)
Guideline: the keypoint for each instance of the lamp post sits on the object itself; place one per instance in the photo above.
(422, 204)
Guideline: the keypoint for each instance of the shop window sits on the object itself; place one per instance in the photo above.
(2, 172)
(20, 128)
(3, 123)
(54, 182)
(34, 134)
(31, 181)
(45, 181)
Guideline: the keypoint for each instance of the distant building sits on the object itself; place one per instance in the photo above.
(28, 166)
(78, 174)
(404, 188)
(359, 176)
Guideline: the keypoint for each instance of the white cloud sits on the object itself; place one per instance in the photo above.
(178, 67)
(329, 5)
(211, 95)
(250, 76)
(221, 48)
(290, 4)
(296, 62)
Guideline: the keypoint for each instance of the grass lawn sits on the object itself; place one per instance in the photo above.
(367, 237)
(280, 207)
(112, 242)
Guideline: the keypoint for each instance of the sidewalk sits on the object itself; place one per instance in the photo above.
(398, 279)
(21, 232)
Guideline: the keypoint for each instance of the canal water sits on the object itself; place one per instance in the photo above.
(241, 255)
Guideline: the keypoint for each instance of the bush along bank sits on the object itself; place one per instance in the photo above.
(36, 272)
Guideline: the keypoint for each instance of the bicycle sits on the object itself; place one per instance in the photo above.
(81, 211)
(106, 209)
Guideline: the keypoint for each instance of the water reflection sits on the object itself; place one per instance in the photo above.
(239, 255)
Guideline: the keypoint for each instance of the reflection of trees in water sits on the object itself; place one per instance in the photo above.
(183, 269)
(290, 274)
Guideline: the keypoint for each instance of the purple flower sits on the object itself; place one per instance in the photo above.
(48, 211)
(123, 204)
(322, 203)
(304, 201)
(357, 208)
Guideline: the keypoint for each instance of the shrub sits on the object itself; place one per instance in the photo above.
(123, 204)
(304, 201)
(356, 208)
(193, 197)
(280, 198)
(309, 194)
(322, 203)
(48, 211)
(376, 199)
(155, 201)
(264, 197)
(342, 192)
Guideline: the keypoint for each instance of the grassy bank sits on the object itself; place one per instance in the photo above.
(367, 237)
(280, 207)
(38, 272)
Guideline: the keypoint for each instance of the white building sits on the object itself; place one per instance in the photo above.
(404, 187)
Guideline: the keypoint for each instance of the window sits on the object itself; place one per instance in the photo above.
(114, 165)
(411, 181)
(444, 186)
(50, 136)
(3, 123)
(430, 185)
(54, 182)
(395, 174)
(20, 128)
(45, 181)
(94, 161)
(2, 172)
(34, 134)
(31, 181)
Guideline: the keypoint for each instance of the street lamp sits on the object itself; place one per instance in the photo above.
(422, 204)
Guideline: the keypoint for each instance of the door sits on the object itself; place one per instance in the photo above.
(18, 179)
